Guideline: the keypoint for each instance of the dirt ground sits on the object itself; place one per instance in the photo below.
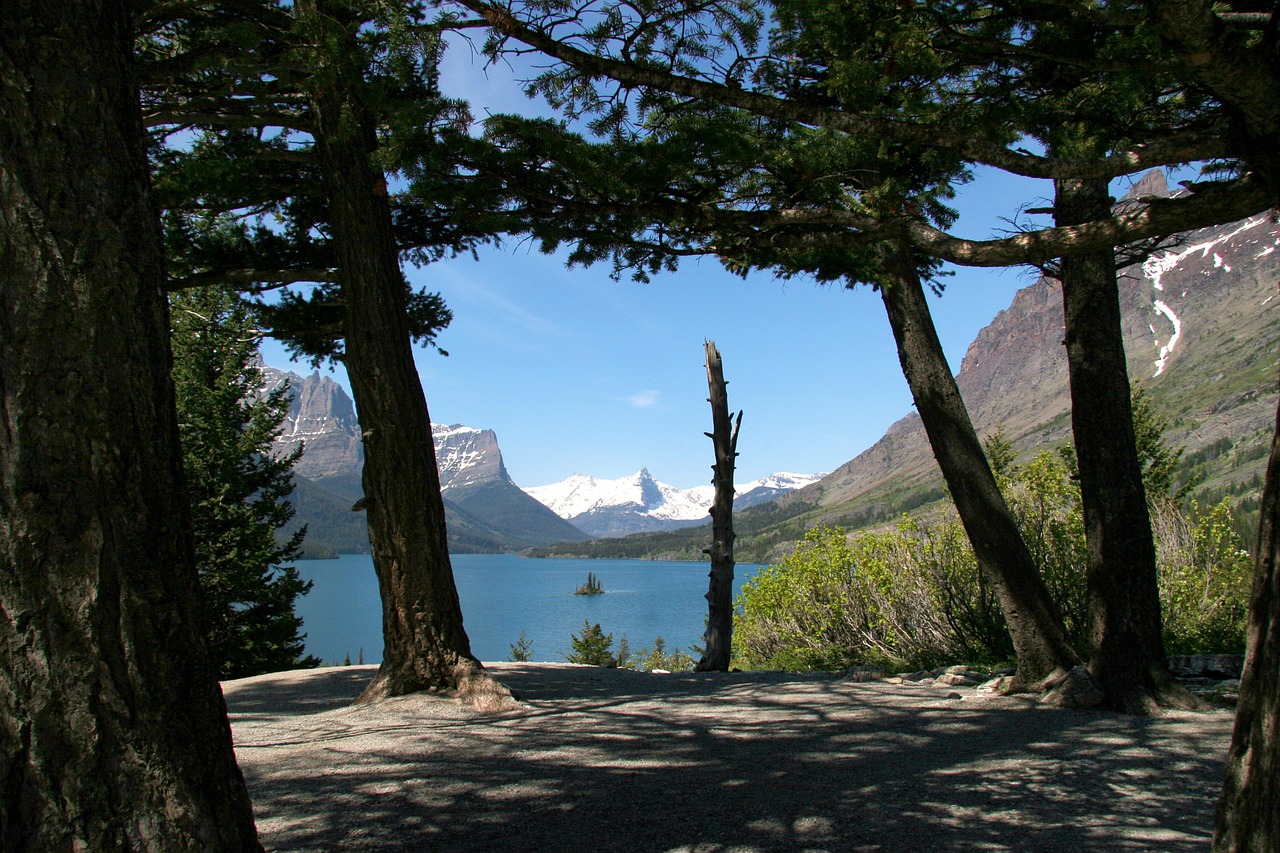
(609, 760)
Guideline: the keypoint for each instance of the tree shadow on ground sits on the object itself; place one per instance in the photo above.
(616, 761)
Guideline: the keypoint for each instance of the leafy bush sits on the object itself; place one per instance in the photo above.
(912, 596)
(836, 602)
(1205, 580)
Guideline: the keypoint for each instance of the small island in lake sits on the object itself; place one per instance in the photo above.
(591, 587)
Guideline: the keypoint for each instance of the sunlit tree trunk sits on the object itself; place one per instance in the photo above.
(724, 437)
(426, 647)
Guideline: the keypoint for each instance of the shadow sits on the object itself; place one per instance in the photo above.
(601, 760)
(288, 694)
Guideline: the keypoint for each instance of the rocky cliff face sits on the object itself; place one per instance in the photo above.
(466, 456)
(1201, 332)
(485, 510)
(321, 418)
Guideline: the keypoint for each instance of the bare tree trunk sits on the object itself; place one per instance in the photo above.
(426, 647)
(724, 435)
(1039, 637)
(1248, 819)
(1127, 649)
(113, 731)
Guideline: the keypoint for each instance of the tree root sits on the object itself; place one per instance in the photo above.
(465, 679)
(1079, 688)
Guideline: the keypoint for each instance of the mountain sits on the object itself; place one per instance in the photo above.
(485, 510)
(1200, 335)
(1200, 323)
(474, 481)
(323, 418)
(640, 503)
(1202, 327)
(756, 492)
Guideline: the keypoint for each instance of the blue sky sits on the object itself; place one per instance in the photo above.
(580, 374)
(577, 373)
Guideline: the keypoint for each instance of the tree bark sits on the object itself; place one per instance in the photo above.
(1039, 637)
(1243, 74)
(1126, 647)
(1247, 818)
(724, 436)
(113, 730)
(426, 646)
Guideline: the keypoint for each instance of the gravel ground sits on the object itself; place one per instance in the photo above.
(608, 760)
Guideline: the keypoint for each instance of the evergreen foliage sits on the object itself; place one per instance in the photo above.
(592, 646)
(522, 649)
(238, 490)
(242, 187)
(591, 587)
(658, 658)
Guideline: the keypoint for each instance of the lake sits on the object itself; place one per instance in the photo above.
(504, 594)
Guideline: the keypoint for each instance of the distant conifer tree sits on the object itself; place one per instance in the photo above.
(238, 490)
(592, 647)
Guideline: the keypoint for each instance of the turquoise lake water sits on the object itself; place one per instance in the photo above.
(504, 594)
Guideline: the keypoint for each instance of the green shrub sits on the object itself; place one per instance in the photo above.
(1205, 580)
(912, 597)
(659, 658)
(522, 649)
(592, 647)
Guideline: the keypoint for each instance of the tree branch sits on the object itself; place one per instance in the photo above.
(275, 278)
(1183, 148)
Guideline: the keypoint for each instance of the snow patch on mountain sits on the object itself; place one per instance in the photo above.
(581, 494)
(1167, 348)
(1155, 268)
(639, 502)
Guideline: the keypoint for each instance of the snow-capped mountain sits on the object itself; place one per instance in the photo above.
(485, 510)
(641, 503)
(466, 456)
(759, 491)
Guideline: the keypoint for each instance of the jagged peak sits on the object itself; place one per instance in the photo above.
(1153, 183)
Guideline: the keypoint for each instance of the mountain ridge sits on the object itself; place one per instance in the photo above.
(485, 511)
(640, 503)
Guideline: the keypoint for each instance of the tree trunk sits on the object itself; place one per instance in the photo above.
(426, 647)
(1248, 819)
(1039, 638)
(724, 436)
(113, 731)
(1127, 650)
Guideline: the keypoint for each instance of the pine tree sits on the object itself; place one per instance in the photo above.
(522, 649)
(238, 489)
(592, 647)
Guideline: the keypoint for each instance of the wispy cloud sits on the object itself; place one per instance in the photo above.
(645, 399)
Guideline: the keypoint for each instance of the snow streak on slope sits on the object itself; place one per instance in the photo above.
(1156, 266)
